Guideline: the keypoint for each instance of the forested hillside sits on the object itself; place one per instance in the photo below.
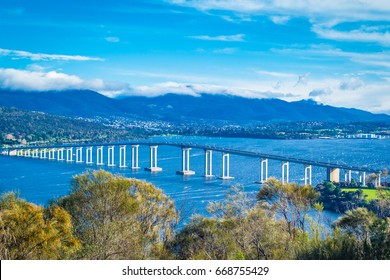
(18, 126)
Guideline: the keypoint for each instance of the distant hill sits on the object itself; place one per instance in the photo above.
(173, 107)
(69, 103)
(19, 127)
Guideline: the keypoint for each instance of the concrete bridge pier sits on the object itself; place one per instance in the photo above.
(79, 155)
(60, 154)
(308, 174)
(347, 176)
(43, 154)
(35, 153)
(88, 155)
(208, 163)
(110, 156)
(285, 171)
(263, 171)
(122, 156)
(28, 153)
(52, 154)
(226, 167)
(99, 155)
(333, 175)
(69, 154)
(185, 169)
(134, 157)
(153, 160)
(362, 178)
(378, 180)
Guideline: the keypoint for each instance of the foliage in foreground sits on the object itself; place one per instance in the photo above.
(278, 227)
(112, 217)
(28, 231)
(117, 217)
(235, 231)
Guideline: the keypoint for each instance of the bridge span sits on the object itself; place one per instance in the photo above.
(65, 153)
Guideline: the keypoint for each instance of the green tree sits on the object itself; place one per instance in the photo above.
(358, 235)
(236, 205)
(358, 222)
(237, 230)
(205, 239)
(289, 201)
(382, 204)
(28, 231)
(117, 217)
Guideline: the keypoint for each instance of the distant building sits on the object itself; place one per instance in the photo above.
(366, 136)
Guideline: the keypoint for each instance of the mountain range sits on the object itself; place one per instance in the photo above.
(174, 107)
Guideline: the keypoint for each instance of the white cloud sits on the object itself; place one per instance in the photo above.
(318, 51)
(225, 51)
(44, 57)
(43, 81)
(320, 92)
(342, 92)
(276, 74)
(112, 39)
(371, 98)
(314, 9)
(280, 19)
(358, 35)
(323, 14)
(198, 89)
(230, 5)
(302, 79)
(225, 38)
(35, 67)
(351, 84)
(163, 88)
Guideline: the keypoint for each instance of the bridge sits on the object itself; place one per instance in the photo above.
(66, 153)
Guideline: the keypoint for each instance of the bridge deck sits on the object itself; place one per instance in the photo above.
(214, 148)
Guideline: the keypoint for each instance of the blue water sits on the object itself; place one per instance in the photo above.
(40, 181)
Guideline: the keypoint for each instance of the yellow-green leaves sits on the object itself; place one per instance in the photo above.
(117, 217)
(28, 231)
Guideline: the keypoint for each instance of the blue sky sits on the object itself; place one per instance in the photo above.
(336, 54)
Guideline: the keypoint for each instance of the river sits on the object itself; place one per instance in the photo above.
(40, 181)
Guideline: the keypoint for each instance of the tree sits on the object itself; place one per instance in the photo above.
(117, 217)
(236, 205)
(205, 239)
(382, 204)
(237, 230)
(358, 222)
(28, 231)
(358, 235)
(289, 201)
